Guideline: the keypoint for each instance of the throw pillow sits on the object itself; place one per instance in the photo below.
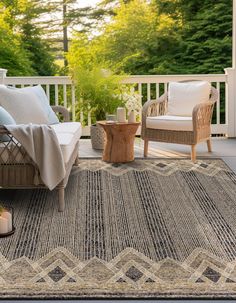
(24, 106)
(5, 119)
(40, 93)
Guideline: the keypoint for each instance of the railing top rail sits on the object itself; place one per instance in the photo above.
(168, 78)
(136, 79)
(38, 80)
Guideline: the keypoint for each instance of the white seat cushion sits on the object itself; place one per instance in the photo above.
(183, 97)
(68, 127)
(68, 134)
(170, 123)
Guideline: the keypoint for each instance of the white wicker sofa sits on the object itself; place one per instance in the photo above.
(18, 171)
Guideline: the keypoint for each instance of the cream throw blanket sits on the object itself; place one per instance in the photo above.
(41, 144)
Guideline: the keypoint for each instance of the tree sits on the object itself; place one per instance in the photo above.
(124, 39)
(208, 42)
(66, 17)
(148, 50)
(28, 53)
(13, 56)
(38, 49)
(204, 32)
(166, 36)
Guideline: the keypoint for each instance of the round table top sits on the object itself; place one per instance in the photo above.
(105, 123)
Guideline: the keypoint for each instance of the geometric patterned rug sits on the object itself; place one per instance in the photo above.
(147, 229)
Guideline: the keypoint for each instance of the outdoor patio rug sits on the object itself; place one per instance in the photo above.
(149, 229)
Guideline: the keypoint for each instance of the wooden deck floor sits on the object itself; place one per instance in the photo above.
(222, 148)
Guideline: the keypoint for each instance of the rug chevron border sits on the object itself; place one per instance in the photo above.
(212, 279)
(149, 229)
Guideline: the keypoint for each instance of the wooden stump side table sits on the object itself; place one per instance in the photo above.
(119, 144)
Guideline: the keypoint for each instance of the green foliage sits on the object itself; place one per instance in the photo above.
(208, 42)
(165, 36)
(204, 34)
(22, 49)
(125, 38)
(31, 35)
(99, 91)
(98, 87)
(13, 56)
(38, 50)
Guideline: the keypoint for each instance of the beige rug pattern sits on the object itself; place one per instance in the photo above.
(148, 229)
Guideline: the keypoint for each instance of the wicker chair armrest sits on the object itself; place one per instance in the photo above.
(63, 111)
(202, 115)
(214, 95)
(153, 108)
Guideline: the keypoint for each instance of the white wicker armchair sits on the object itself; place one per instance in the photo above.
(201, 124)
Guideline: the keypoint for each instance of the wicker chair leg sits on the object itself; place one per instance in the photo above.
(193, 153)
(209, 147)
(145, 147)
(61, 197)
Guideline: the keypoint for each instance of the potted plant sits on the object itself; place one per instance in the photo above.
(98, 91)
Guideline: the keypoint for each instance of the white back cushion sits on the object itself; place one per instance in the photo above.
(23, 106)
(39, 92)
(182, 97)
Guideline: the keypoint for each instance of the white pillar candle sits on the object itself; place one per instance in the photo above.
(132, 117)
(121, 115)
(3, 225)
(7, 215)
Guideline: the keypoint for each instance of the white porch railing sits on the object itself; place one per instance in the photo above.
(61, 90)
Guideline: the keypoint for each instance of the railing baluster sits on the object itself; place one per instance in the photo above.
(148, 91)
(48, 92)
(65, 95)
(140, 92)
(218, 104)
(140, 99)
(56, 94)
(157, 90)
(226, 107)
(73, 102)
(165, 87)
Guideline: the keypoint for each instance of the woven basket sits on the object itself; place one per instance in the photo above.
(97, 136)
